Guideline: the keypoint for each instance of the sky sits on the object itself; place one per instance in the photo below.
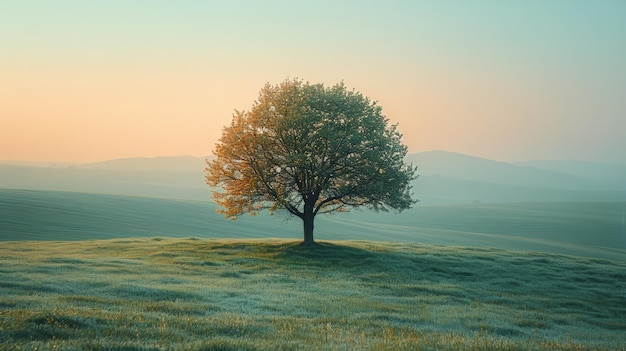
(87, 81)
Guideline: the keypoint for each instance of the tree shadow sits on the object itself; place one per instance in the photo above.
(326, 254)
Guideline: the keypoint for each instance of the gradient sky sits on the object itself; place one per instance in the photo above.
(86, 81)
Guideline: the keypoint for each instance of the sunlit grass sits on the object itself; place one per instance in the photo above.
(144, 294)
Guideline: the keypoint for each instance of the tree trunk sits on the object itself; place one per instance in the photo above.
(308, 219)
(308, 232)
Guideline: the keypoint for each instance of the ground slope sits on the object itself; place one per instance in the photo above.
(152, 294)
(591, 229)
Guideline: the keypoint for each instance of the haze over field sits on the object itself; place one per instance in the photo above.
(99, 80)
(465, 201)
(445, 178)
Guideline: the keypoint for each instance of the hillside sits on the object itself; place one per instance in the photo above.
(445, 178)
(133, 181)
(222, 294)
(459, 166)
(49, 215)
(182, 164)
(591, 229)
(610, 175)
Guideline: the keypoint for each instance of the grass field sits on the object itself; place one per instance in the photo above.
(590, 229)
(155, 293)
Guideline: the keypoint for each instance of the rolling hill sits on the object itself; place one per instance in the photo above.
(601, 174)
(464, 201)
(109, 178)
(445, 178)
(591, 229)
(180, 164)
(465, 167)
(450, 273)
(245, 294)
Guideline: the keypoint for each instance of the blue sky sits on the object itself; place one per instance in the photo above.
(93, 80)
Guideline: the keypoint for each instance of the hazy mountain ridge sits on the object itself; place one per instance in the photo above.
(166, 184)
(460, 166)
(445, 177)
(611, 175)
(151, 164)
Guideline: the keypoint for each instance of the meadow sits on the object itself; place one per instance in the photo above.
(224, 294)
(107, 272)
(580, 228)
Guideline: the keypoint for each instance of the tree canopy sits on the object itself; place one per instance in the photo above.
(310, 149)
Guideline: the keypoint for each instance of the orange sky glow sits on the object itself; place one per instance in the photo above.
(91, 81)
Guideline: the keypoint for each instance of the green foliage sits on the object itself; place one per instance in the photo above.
(310, 149)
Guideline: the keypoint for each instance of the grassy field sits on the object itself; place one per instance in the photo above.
(53, 215)
(156, 293)
(590, 229)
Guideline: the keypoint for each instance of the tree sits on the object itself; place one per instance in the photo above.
(310, 149)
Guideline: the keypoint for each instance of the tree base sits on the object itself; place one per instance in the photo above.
(309, 244)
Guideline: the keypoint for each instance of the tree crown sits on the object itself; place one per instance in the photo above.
(304, 144)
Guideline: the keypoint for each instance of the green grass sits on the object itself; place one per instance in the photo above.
(160, 293)
(54, 215)
(590, 229)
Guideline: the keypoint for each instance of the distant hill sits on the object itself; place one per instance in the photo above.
(609, 175)
(445, 177)
(465, 167)
(109, 178)
(154, 164)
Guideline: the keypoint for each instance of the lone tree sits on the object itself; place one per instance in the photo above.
(310, 149)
